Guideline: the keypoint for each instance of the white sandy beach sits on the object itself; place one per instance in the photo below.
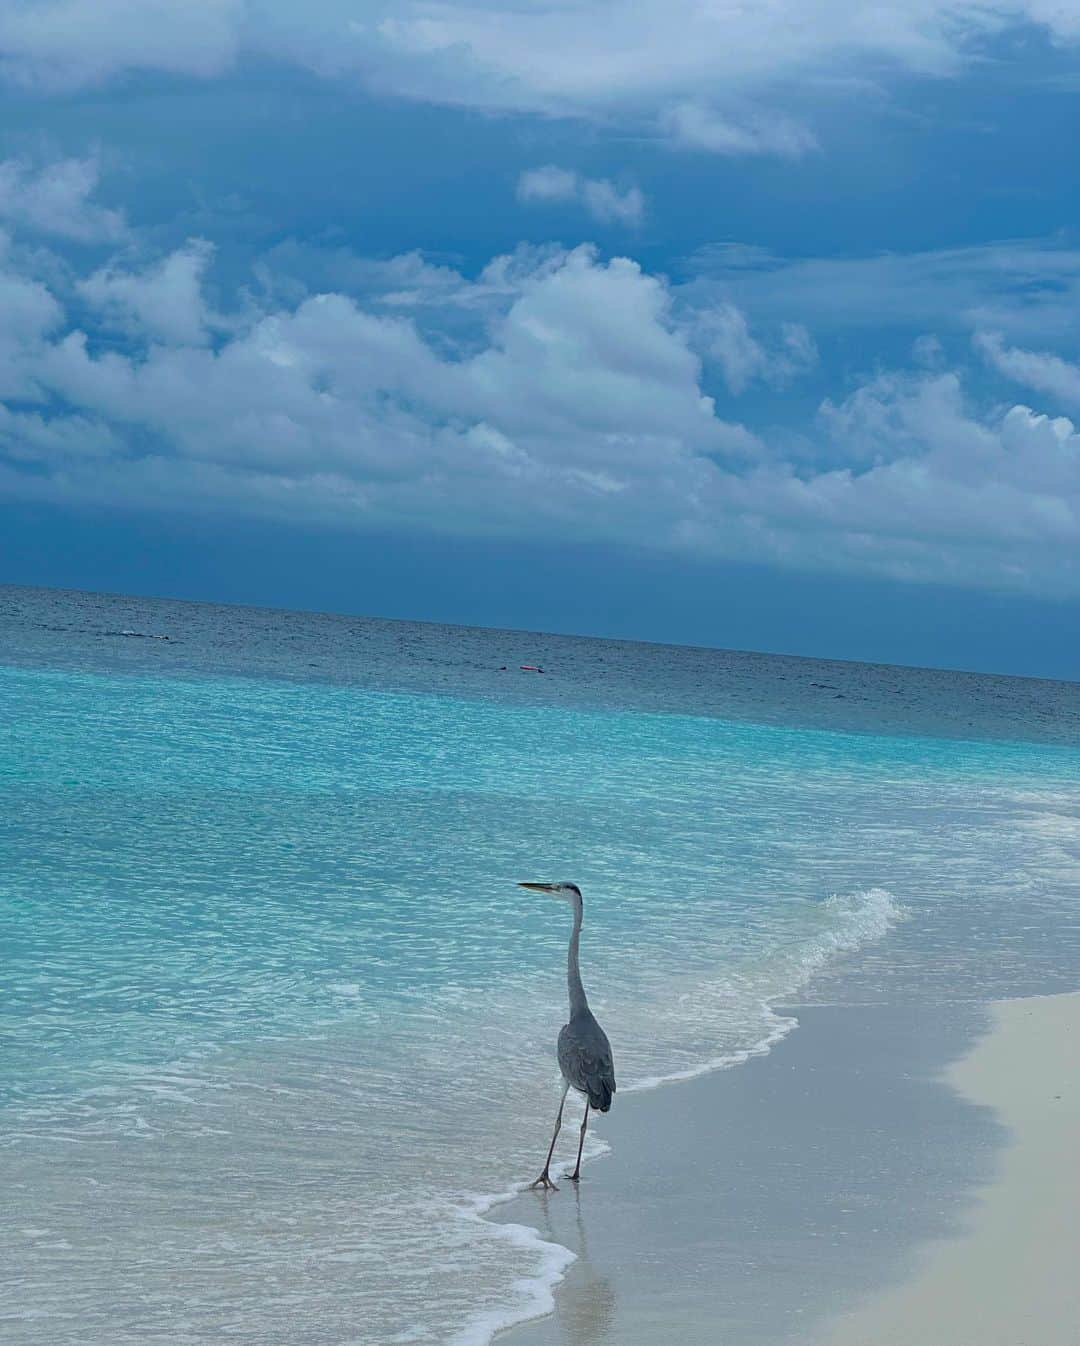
(877, 1179)
(1011, 1279)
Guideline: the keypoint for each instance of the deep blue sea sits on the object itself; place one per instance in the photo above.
(277, 1023)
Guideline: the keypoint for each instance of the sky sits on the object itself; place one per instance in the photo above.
(755, 326)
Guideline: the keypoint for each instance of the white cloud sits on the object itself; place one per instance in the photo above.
(601, 198)
(695, 125)
(1041, 370)
(584, 389)
(55, 199)
(724, 334)
(64, 44)
(549, 183)
(1003, 491)
(163, 303)
(580, 57)
(606, 54)
(1023, 288)
(579, 410)
(30, 437)
(28, 314)
(606, 203)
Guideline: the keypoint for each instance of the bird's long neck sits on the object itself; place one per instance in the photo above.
(573, 971)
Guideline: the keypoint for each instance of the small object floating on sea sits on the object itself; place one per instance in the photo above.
(142, 635)
(530, 668)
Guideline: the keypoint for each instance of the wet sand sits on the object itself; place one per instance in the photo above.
(756, 1205)
(1011, 1278)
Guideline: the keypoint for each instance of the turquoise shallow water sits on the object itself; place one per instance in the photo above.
(278, 1022)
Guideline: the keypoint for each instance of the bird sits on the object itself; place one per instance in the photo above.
(583, 1051)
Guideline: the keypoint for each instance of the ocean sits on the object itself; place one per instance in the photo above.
(279, 1026)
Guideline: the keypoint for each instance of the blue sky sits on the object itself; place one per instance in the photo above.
(741, 325)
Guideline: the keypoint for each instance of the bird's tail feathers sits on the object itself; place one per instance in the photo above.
(600, 1096)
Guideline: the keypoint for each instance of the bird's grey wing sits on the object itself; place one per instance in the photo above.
(586, 1062)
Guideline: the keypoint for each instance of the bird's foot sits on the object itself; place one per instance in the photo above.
(543, 1183)
(573, 1177)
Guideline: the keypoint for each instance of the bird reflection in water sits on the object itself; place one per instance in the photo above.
(585, 1302)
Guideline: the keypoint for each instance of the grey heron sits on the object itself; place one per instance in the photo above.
(584, 1052)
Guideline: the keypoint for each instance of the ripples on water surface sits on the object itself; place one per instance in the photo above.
(276, 1016)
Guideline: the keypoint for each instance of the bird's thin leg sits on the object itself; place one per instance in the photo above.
(581, 1144)
(544, 1180)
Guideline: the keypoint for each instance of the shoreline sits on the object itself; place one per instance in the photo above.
(753, 1205)
(1010, 1277)
(492, 1324)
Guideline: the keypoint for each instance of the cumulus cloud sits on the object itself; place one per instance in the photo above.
(580, 405)
(1004, 490)
(601, 198)
(583, 390)
(55, 199)
(695, 125)
(162, 303)
(29, 314)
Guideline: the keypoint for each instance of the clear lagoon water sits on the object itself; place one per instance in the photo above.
(278, 1025)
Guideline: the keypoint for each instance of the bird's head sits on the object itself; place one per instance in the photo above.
(567, 891)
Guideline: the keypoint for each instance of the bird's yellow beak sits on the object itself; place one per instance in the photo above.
(538, 887)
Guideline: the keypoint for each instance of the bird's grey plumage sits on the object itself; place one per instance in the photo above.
(585, 1060)
(584, 1052)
